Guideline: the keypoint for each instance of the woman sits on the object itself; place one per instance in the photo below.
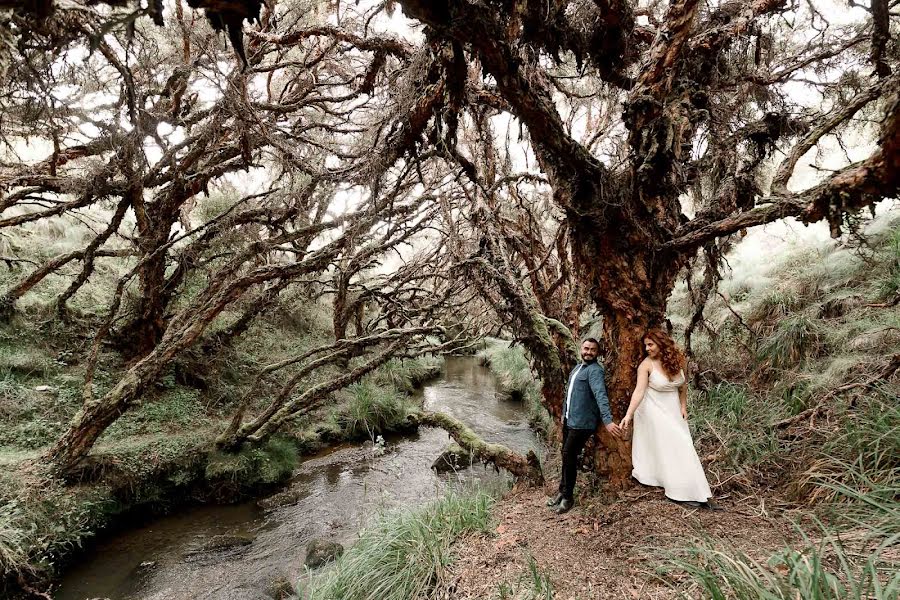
(662, 451)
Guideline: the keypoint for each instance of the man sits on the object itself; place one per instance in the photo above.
(585, 403)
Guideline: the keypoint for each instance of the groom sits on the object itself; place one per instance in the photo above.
(586, 403)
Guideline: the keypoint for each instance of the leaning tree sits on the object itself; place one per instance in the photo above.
(658, 128)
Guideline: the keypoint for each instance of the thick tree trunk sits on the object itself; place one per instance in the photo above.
(630, 286)
(94, 418)
(624, 337)
(143, 333)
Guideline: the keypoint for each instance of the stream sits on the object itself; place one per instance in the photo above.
(334, 495)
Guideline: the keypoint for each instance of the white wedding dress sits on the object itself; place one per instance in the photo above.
(662, 450)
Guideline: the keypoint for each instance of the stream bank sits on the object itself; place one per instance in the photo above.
(46, 524)
(332, 495)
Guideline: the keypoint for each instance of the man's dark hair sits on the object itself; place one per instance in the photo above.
(593, 341)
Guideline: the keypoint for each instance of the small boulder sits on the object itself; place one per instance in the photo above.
(453, 458)
(44, 389)
(285, 498)
(281, 588)
(319, 552)
(219, 543)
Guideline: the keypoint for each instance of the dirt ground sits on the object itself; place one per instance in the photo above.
(607, 548)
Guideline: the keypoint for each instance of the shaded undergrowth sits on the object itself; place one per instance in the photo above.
(160, 454)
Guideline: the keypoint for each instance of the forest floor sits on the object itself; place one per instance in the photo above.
(610, 547)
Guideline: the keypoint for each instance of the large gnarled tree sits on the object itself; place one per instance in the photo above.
(657, 127)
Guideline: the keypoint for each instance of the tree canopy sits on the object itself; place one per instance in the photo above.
(542, 159)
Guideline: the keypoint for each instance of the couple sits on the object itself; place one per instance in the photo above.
(662, 451)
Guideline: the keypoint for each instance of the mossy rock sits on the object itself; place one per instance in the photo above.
(281, 588)
(320, 552)
(453, 458)
(221, 543)
(285, 498)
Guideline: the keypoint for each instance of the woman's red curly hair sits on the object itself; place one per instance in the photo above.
(670, 355)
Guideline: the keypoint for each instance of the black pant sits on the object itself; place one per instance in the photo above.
(572, 443)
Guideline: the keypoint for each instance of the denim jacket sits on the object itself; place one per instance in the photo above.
(589, 402)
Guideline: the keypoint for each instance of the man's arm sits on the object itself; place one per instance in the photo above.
(598, 387)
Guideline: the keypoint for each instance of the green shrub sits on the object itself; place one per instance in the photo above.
(404, 555)
(275, 460)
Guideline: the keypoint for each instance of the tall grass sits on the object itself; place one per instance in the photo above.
(889, 285)
(864, 451)
(731, 419)
(13, 541)
(795, 339)
(404, 555)
(853, 558)
(406, 374)
(510, 365)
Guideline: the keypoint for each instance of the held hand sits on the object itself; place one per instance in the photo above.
(614, 429)
(625, 423)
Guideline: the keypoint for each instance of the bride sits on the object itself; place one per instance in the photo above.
(662, 451)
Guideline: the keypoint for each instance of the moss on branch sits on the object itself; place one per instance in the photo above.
(527, 468)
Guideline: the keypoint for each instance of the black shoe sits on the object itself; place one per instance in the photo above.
(710, 505)
(565, 506)
(554, 500)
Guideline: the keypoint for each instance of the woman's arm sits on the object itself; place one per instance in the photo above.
(643, 379)
(682, 396)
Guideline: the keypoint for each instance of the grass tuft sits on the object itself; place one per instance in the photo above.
(511, 367)
(794, 340)
(372, 409)
(889, 285)
(851, 559)
(406, 554)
